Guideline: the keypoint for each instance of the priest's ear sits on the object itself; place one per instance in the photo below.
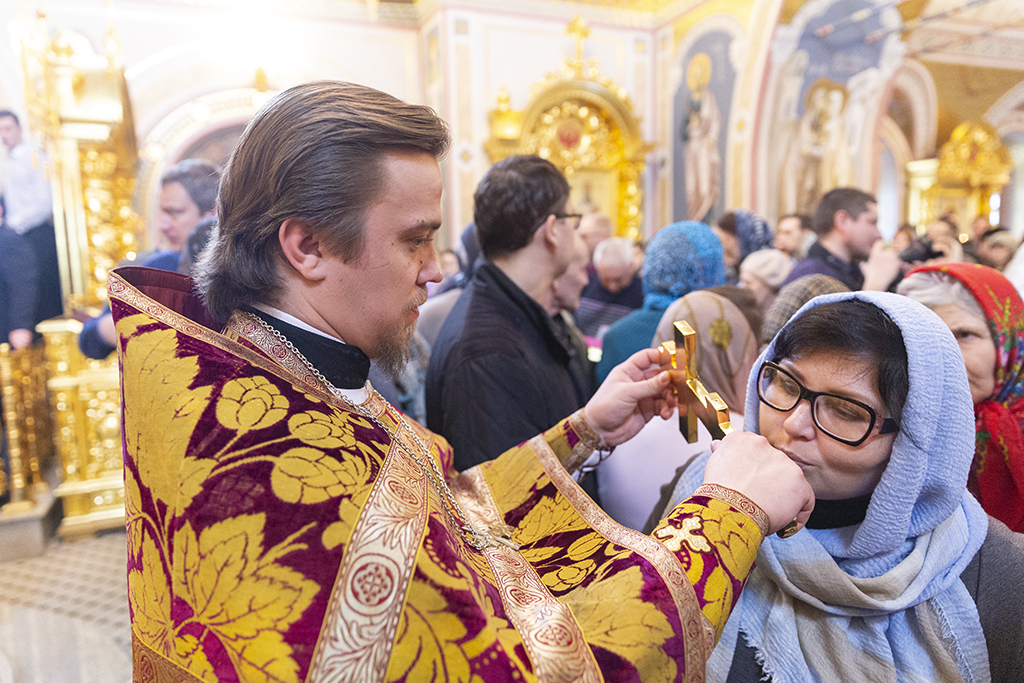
(301, 248)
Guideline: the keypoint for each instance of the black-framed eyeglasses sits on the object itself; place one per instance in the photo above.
(843, 419)
(577, 217)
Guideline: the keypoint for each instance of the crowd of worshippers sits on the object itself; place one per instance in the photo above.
(890, 373)
(509, 336)
(505, 348)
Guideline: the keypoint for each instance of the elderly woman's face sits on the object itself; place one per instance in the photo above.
(834, 470)
(979, 351)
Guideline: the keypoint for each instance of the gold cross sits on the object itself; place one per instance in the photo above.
(679, 357)
(579, 30)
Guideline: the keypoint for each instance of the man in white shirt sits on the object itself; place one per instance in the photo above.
(29, 211)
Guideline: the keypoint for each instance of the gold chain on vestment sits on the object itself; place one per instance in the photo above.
(456, 517)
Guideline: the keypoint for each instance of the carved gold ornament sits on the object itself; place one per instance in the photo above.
(583, 123)
(975, 156)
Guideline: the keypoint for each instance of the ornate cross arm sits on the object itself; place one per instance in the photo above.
(695, 402)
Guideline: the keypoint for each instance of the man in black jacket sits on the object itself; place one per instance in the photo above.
(18, 288)
(499, 372)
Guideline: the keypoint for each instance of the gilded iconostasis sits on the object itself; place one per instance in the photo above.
(656, 110)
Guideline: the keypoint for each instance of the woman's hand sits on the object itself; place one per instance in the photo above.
(747, 463)
(629, 397)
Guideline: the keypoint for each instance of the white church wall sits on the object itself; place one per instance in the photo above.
(175, 54)
(487, 51)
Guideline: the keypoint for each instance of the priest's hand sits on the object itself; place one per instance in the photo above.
(747, 463)
(629, 397)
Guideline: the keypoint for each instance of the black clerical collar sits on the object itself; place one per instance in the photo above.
(345, 366)
(833, 514)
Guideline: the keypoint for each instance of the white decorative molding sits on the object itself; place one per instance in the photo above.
(955, 42)
(386, 12)
(647, 15)
(915, 81)
(1013, 123)
(1008, 106)
(896, 141)
(183, 126)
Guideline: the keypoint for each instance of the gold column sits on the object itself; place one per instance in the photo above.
(27, 422)
(77, 103)
(86, 402)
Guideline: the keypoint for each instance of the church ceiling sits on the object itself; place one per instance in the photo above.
(981, 33)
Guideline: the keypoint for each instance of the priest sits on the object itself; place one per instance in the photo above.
(286, 524)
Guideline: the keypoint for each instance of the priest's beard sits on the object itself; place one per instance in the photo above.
(394, 347)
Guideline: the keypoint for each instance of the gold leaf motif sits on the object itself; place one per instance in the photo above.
(427, 644)
(733, 549)
(334, 535)
(628, 626)
(150, 600)
(135, 520)
(321, 430)
(163, 409)
(570, 576)
(192, 475)
(585, 546)
(191, 656)
(548, 515)
(537, 554)
(250, 403)
(239, 593)
(308, 475)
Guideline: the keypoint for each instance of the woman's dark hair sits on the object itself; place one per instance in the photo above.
(858, 328)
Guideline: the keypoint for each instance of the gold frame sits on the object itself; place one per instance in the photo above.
(580, 95)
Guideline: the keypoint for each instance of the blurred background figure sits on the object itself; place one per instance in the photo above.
(997, 248)
(28, 208)
(444, 296)
(188, 196)
(792, 233)
(18, 287)
(681, 258)
(986, 316)
(763, 273)
(741, 233)
(792, 297)
(594, 228)
(904, 238)
(566, 293)
(613, 289)
(979, 226)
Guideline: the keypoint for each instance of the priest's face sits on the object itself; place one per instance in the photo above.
(372, 301)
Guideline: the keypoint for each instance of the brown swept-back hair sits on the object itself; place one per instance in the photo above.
(314, 153)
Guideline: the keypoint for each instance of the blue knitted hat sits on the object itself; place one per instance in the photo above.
(681, 258)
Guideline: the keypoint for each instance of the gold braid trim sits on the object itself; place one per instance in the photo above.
(149, 666)
(589, 441)
(738, 501)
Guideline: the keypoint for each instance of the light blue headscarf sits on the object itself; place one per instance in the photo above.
(681, 258)
(921, 530)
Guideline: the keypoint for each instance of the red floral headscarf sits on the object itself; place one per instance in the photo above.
(997, 476)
